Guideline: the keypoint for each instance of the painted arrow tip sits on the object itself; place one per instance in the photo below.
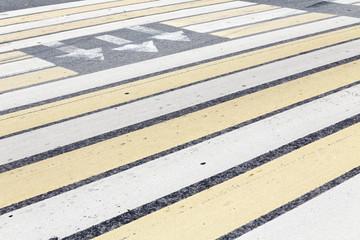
(173, 36)
(95, 53)
(143, 47)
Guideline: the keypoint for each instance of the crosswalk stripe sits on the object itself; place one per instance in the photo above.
(31, 78)
(327, 216)
(68, 11)
(92, 14)
(44, 114)
(264, 188)
(142, 110)
(218, 15)
(242, 20)
(23, 66)
(271, 25)
(13, 56)
(87, 202)
(105, 19)
(38, 178)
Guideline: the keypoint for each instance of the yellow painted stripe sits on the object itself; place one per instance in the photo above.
(28, 79)
(102, 20)
(61, 170)
(218, 15)
(68, 11)
(215, 212)
(47, 113)
(13, 56)
(271, 25)
(357, 4)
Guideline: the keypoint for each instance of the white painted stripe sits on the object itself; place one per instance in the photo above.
(344, 1)
(101, 200)
(87, 15)
(333, 215)
(23, 66)
(113, 39)
(242, 20)
(105, 28)
(71, 85)
(21, 146)
(54, 7)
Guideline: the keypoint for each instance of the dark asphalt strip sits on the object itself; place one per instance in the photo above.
(308, 139)
(171, 70)
(193, 189)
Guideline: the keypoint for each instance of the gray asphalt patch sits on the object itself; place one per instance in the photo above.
(141, 46)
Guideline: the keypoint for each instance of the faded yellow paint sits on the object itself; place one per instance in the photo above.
(67, 12)
(271, 25)
(102, 20)
(219, 210)
(28, 79)
(12, 56)
(29, 181)
(37, 116)
(218, 15)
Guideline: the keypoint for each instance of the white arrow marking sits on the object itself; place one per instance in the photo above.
(77, 52)
(113, 39)
(143, 47)
(173, 36)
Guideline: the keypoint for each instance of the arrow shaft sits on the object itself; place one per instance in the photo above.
(113, 39)
(145, 30)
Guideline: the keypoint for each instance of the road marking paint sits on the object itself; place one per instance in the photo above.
(75, 52)
(40, 177)
(242, 20)
(332, 215)
(114, 40)
(170, 36)
(264, 188)
(61, 134)
(105, 19)
(37, 116)
(73, 85)
(96, 202)
(31, 78)
(13, 56)
(148, 46)
(68, 11)
(219, 15)
(271, 25)
(23, 66)
(345, 1)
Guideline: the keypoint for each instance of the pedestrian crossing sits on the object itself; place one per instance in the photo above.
(259, 109)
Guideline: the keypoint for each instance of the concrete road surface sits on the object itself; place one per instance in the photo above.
(180, 119)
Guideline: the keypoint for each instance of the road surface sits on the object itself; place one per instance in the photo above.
(180, 119)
